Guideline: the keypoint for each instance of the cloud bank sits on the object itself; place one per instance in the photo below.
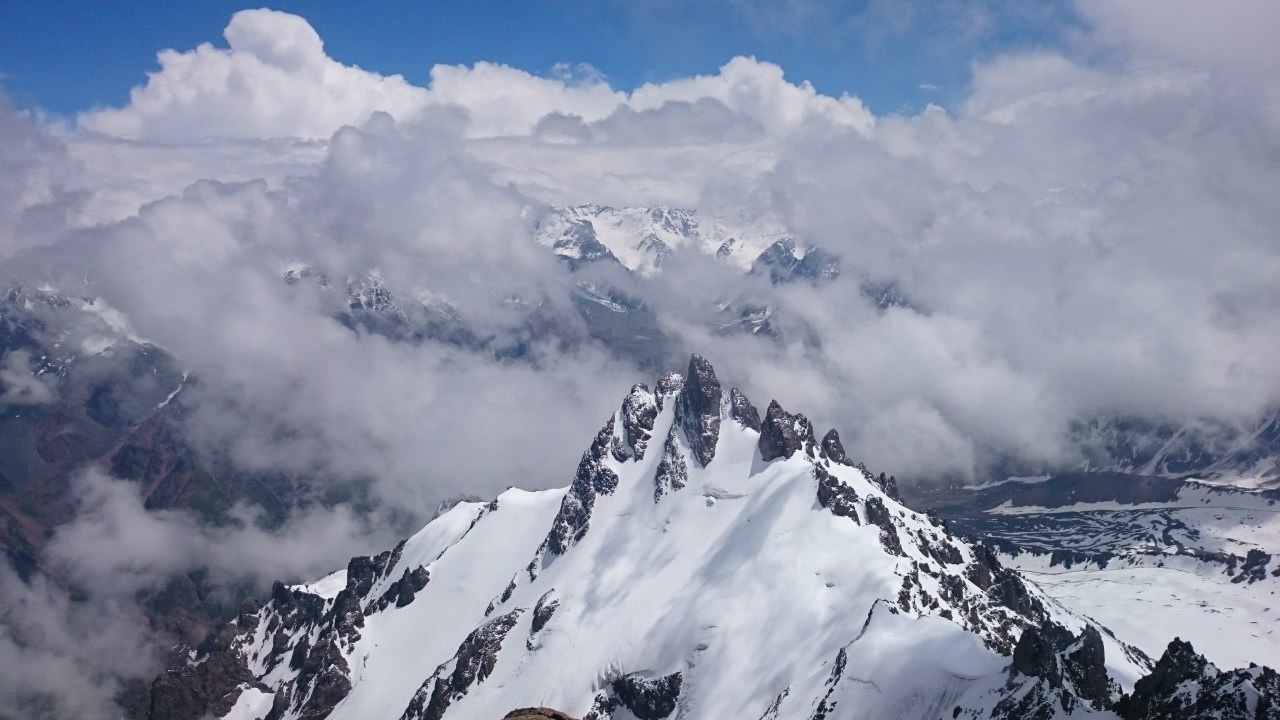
(1088, 237)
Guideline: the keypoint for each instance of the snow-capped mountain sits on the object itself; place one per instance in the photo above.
(74, 383)
(704, 562)
(638, 239)
(1205, 448)
(641, 239)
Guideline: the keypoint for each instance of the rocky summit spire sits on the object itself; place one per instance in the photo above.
(639, 410)
(741, 409)
(782, 434)
(698, 409)
(833, 449)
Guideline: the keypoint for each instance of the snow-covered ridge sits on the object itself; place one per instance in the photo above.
(706, 561)
(640, 239)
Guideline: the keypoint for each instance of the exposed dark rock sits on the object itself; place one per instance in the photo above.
(888, 485)
(1067, 558)
(835, 496)
(1053, 671)
(602, 707)
(593, 478)
(669, 383)
(294, 609)
(648, 698)
(327, 676)
(280, 702)
(300, 653)
(472, 664)
(985, 566)
(543, 610)
(1008, 590)
(344, 616)
(671, 474)
(878, 515)
(827, 704)
(536, 714)
(1254, 568)
(419, 578)
(698, 409)
(833, 449)
(363, 572)
(741, 409)
(1156, 693)
(639, 410)
(193, 691)
(402, 591)
(323, 675)
(782, 434)
(1183, 684)
(1036, 654)
(941, 550)
(1086, 668)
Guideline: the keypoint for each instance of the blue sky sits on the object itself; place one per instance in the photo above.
(71, 55)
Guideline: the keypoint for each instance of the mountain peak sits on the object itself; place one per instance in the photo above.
(717, 578)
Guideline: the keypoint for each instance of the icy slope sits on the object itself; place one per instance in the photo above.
(704, 563)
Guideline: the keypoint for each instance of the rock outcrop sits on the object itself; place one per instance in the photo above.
(639, 410)
(783, 434)
(472, 664)
(540, 713)
(591, 479)
(1184, 684)
(741, 409)
(698, 409)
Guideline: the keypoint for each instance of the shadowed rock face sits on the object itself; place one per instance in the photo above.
(672, 474)
(782, 434)
(638, 414)
(698, 409)
(1086, 666)
(190, 692)
(1055, 672)
(889, 485)
(649, 698)
(835, 496)
(592, 478)
(1183, 684)
(741, 409)
(536, 714)
(543, 611)
(1036, 654)
(833, 449)
(878, 514)
(472, 664)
